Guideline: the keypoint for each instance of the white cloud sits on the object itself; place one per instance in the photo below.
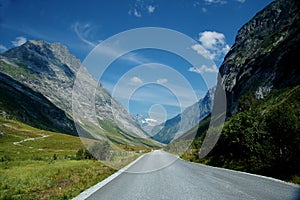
(215, 2)
(116, 52)
(162, 81)
(151, 9)
(135, 81)
(202, 51)
(137, 13)
(212, 45)
(204, 69)
(196, 4)
(123, 90)
(241, 1)
(19, 41)
(140, 7)
(210, 39)
(204, 10)
(83, 31)
(2, 48)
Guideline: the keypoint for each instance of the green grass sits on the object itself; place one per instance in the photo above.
(60, 144)
(118, 136)
(45, 168)
(59, 179)
(16, 70)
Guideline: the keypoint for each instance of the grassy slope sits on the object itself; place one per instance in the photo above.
(119, 136)
(45, 168)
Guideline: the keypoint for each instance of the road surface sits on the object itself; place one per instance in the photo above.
(160, 175)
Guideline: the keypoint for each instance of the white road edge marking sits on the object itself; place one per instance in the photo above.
(88, 192)
(245, 173)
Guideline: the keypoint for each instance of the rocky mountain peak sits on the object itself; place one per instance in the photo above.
(39, 53)
(50, 69)
(268, 20)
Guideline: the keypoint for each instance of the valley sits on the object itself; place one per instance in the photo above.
(63, 131)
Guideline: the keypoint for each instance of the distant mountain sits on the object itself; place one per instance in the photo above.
(177, 126)
(149, 125)
(265, 54)
(50, 69)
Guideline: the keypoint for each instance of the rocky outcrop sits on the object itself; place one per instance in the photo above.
(265, 53)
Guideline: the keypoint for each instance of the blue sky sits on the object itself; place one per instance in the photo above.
(81, 25)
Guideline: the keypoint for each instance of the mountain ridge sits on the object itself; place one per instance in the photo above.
(50, 69)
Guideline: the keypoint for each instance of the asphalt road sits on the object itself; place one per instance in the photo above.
(160, 175)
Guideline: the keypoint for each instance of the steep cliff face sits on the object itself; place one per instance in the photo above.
(265, 53)
(50, 69)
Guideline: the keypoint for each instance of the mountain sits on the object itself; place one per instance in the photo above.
(148, 124)
(191, 116)
(50, 69)
(261, 78)
(264, 55)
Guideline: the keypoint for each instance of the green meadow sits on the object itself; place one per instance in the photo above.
(38, 164)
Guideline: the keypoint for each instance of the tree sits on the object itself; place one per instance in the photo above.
(282, 122)
(79, 154)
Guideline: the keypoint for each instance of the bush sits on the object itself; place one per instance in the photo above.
(101, 150)
(54, 157)
(84, 154)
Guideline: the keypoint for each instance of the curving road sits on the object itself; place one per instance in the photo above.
(160, 175)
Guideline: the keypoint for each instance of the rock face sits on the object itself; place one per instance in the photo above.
(23, 104)
(46, 68)
(177, 126)
(49, 69)
(265, 53)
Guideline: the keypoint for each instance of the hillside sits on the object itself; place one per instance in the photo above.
(260, 76)
(49, 70)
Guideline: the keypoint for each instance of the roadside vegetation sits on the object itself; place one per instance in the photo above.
(263, 138)
(38, 164)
